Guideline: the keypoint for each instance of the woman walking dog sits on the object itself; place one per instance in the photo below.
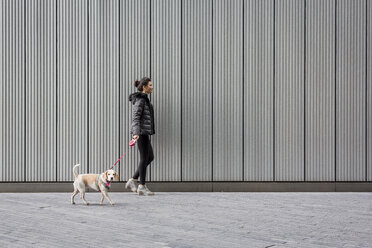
(142, 127)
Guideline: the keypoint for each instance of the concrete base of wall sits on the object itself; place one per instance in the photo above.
(204, 187)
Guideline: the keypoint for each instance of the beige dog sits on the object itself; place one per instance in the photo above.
(98, 182)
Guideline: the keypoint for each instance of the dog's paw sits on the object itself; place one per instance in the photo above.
(112, 203)
(73, 203)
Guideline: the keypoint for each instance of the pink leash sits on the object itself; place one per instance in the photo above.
(131, 143)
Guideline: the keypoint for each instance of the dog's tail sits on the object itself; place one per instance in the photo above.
(75, 172)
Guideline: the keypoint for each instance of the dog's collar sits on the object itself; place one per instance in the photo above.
(107, 185)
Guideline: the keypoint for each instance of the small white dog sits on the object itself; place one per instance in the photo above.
(98, 182)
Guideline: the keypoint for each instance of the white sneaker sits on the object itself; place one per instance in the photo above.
(143, 190)
(132, 183)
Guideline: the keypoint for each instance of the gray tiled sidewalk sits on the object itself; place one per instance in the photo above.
(188, 220)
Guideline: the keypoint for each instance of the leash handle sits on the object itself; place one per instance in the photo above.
(132, 142)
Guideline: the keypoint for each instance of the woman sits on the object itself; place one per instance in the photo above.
(142, 127)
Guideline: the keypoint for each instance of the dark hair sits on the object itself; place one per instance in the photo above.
(139, 84)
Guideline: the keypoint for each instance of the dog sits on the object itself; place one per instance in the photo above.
(98, 182)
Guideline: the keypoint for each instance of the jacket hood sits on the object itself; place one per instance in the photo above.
(134, 96)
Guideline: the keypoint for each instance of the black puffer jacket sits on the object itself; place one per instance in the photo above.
(142, 114)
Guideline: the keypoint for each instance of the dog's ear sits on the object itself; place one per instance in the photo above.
(105, 175)
(116, 176)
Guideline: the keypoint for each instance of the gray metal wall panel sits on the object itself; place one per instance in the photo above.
(258, 90)
(289, 90)
(166, 76)
(36, 82)
(350, 90)
(103, 84)
(227, 90)
(72, 83)
(3, 49)
(196, 87)
(320, 90)
(134, 64)
(41, 90)
(12, 77)
(369, 90)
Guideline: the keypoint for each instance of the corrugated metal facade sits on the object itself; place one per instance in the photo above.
(134, 64)
(72, 87)
(244, 90)
(196, 90)
(12, 90)
(351, 90)
(227, 90)
(103, 89)
(320, 90)
(258, 90)
(166, 72)
(41, 91)
(369, 90)
(289, 90)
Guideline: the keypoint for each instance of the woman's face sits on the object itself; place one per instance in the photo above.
(148, 89)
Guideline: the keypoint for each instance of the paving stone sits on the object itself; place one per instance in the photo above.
(185, 220)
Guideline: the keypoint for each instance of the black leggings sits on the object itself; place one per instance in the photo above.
(146, 155)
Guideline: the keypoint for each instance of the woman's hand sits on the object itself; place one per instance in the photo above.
(135, 137)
